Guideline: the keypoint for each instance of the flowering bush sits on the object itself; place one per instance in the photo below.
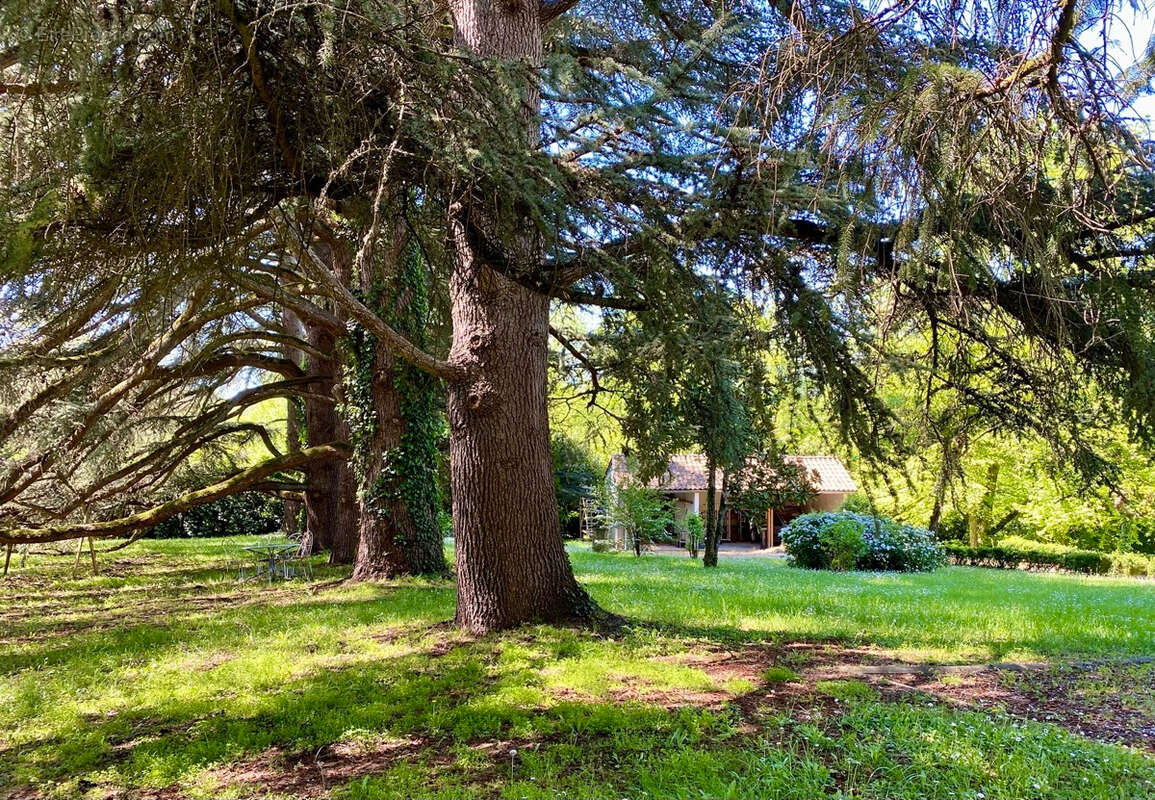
(817, 540)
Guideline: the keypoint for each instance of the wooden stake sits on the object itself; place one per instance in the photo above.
(7, 558)
(76, 565)
(92, 552)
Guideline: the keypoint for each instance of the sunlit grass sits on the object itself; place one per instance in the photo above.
(954, 614)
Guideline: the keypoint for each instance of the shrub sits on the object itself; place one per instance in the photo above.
(815, 540)
(1017, 553)
(645, 513)
(1116, 533)
(845, 545)
(1132, 564)
(952, 527)
(243, 513)
(695, 532)
(857, 502)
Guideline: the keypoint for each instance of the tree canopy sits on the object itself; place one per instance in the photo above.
(178, 175)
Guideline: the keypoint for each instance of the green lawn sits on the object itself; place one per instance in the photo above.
(166, 676)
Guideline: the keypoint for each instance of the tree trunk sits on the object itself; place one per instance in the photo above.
(330, 493)
(322, 516)
(398, 520)
(345, 534)
(710, 555)
(395, 442)
(384, 517)
(940, 489)
(291, 520)
(511, 563)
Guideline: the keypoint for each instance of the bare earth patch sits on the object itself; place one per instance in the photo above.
(310, 773)
(1109, 702)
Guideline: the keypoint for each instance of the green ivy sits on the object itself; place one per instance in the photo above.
(408, 471)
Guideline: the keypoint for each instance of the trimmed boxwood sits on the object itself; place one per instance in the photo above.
(813, 540)
(1020, 554)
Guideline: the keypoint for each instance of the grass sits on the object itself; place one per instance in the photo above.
(165, 675)
(954, 614)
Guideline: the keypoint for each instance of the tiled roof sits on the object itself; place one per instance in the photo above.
(687, 473)
(829, 471)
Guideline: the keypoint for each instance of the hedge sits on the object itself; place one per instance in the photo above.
(1017, 555)
(244, 513)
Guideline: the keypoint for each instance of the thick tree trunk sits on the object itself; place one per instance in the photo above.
(710, 556)
(322, 515)
(384, 518)
(291, 521)
(395, 441)
(345, 535)
(330, 493)
(511, 564)
(398, 521)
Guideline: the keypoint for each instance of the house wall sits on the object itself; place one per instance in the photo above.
(828, 501)
(686, 503)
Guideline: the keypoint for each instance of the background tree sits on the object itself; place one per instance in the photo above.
(644, 513)
(767, 481)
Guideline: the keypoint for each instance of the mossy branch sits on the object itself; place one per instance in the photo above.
(239, 482)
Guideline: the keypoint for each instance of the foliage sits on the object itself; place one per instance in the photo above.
(644, 513)
(575, 477)
(405, 474)
(695, 530)
(233, 515)
(1113, 533)
(765, 482)
(816, 540)
(844, 545)
(1016, 553)
(858, 503)
(690, 378)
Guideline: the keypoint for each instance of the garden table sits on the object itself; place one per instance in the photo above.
(273, 556)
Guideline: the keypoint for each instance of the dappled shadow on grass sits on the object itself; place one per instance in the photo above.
(470, 692)
(180, 622)
(258, 690)
(444, 713)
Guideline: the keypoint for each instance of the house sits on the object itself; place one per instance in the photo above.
(685, 483)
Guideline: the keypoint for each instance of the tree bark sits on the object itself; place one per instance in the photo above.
(291, 520)
(346, 533)
(710, 554)
(398, 529)
(395, 440)
(322, 480)
(511, 563)
(330, 494)
(384, 519)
